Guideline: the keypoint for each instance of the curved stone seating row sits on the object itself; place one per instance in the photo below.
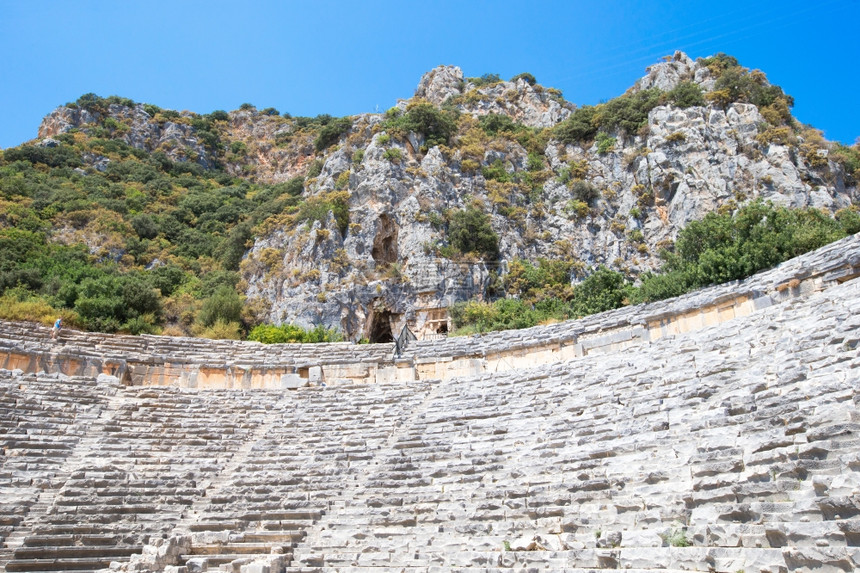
(134, 473)
(739, 440)
(42, 419)
(194, 349)
(187, 362)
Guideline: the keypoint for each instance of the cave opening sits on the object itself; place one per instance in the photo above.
(384, 251)
(380, 327)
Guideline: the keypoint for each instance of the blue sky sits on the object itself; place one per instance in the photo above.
(344, 57)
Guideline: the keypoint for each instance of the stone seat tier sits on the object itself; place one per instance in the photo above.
(69, 564)
(742, 435)
(436, 463)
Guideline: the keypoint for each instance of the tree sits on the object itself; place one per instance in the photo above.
(602, 290)
(470, 232)
(224, 306)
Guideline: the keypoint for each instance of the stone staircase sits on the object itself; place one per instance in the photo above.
(316, 445)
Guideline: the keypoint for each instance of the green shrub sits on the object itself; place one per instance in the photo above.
(576, 208)
(602, 290)
(342, 181)
(496, 172)
(24, 305)
(849, 157)
(219, 115)
(470, 232)
(549, 279)
(286, 333)
(585, 191)
(317, 208)
(221, 330)
(223, 306)
(394, 155)
(605, 143)
(60, 156)
(315, 168)
(495, 123)
(686, 94)
(724, 247)
(525, 76)
(734, 83)
(849, 220)
(331, 132)
(485, 80)
(145, 226)
(627, 113)
(503, 314)
(235, 245)
(535, 162)
(579, 127)
(436, 125)
(294, 187)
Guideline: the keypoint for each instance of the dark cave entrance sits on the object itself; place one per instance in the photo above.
(380, 327)
(384, 250)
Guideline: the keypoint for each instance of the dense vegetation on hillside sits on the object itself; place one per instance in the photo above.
(717, 249)
(140, 243)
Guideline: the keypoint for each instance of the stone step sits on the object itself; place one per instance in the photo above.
(76, 564)
(75, 551)
(235, 548)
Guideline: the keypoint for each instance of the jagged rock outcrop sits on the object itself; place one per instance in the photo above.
(177, 139)
(669, 73)
(440, 83)
(529, 105)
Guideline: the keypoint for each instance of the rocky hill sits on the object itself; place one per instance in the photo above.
(399, 215)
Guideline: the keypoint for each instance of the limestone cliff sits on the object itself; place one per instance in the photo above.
(614, 200)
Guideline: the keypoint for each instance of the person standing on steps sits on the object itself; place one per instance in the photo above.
(55, 332)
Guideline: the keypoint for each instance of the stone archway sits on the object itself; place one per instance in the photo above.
(384, 251)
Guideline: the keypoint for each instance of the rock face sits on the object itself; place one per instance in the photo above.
(529, 105)
(686, 163)
(382, 268)
(441, 83)
(178, 140)
(672, 71)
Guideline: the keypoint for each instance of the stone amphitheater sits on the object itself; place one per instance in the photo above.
(713, 432)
